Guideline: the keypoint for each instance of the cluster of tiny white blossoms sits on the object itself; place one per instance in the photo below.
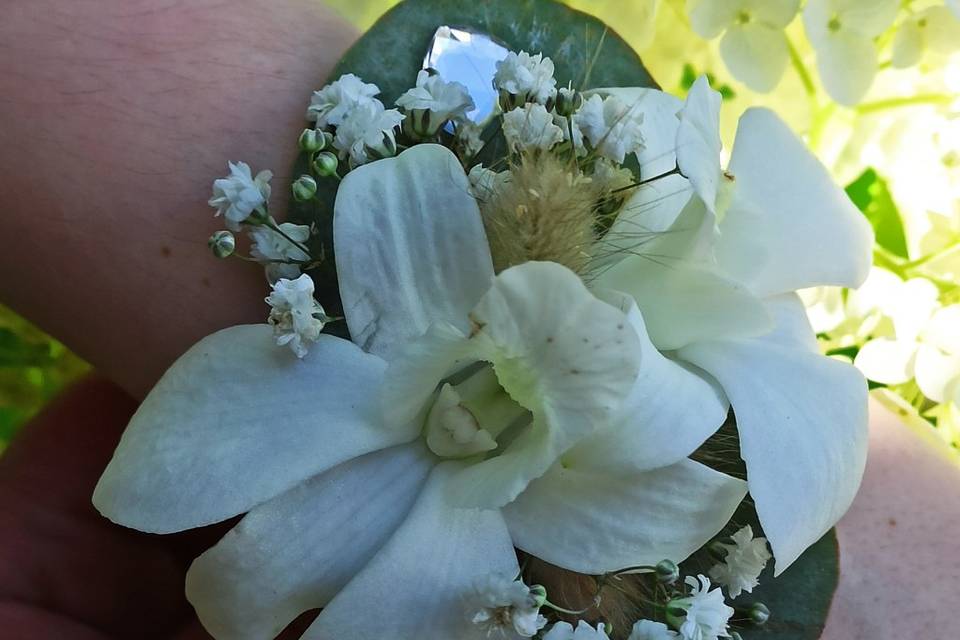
(520, 381)
(847, 36)
(505, 607)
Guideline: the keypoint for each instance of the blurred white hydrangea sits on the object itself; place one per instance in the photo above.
(933, 29)
(842, 32)
(754, 46)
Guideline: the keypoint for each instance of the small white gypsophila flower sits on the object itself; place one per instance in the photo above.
(531, 127)
(500, 604)
(748, 26)
(268, 245)
(485, 183)
(469, 136)
(332, 104)
(530, 77)
(706, 614)
(297, 319)
(238, 194)
(370, 130)
(433, 102)
(746, 558)
(650, 630)
(612, 126)
(565, 631)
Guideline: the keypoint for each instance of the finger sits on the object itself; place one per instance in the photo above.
(125, 112)
(898, 539)
(63, 566)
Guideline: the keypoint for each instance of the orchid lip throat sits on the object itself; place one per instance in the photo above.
(469, 412)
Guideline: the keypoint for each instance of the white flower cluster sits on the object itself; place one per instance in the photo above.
(500, 605)
(364, 130)
(587, 390)
(745, 559)
(297, 319)
(844, 34)
(538, 117)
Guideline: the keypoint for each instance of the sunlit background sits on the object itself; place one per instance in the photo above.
(894, 142)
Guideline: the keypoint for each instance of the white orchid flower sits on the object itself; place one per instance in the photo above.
(754, 46)
(933, 29)
(843, 32)
(718, 293)
(397, 470)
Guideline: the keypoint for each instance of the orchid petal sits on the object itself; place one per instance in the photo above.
(414, 586)
(410, 247)
(802, 420)
(682, 298)
(788, 226)
(709, 18)
(295, 552)
(561, 353)
(236, 421)
(588, 521)
(670, 412)
(698, 142)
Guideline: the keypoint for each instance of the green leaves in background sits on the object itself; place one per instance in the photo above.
(871, 195)
(33, 368)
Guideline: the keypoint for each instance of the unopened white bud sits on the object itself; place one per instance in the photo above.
(312, 140)
(222, 244)
(304, 188)
(325, 164)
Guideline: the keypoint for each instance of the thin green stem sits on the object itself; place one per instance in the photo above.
(935, 99)
(802, 72)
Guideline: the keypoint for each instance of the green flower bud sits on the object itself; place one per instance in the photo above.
(568, 101)
(325, 164)
(304, 188)
(758, 614)
(667, 572)
(539, 594)
(312, 140)
(222, 244)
